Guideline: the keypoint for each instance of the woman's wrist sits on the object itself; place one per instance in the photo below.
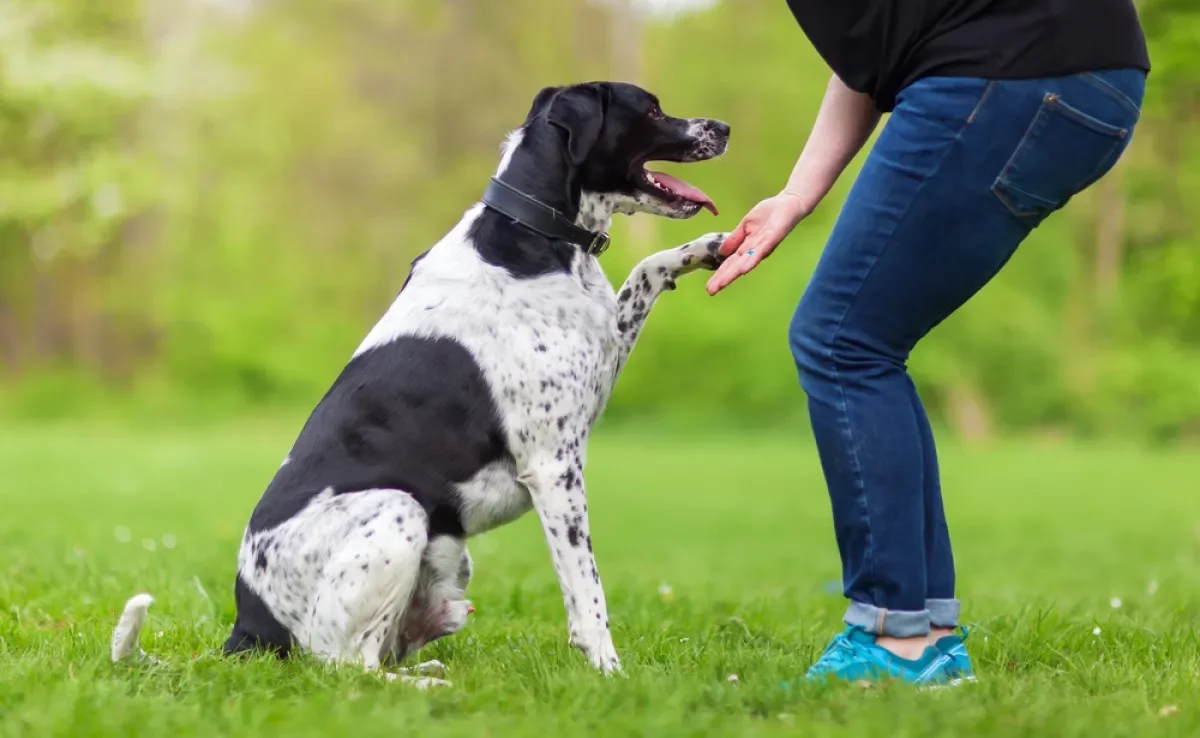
(844, 123)
(799, 203)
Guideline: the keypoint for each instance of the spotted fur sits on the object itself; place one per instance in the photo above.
(468, 404)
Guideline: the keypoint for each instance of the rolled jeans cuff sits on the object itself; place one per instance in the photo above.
(943, 613)
(880, 621)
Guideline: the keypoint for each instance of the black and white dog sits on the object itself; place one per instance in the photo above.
(472, 400)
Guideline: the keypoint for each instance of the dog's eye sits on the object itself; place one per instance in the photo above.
(656, 113)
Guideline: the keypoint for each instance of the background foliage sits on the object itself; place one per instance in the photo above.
(204, 204)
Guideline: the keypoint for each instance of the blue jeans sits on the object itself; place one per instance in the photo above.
(963, 170)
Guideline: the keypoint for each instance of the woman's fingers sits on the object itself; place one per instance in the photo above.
(734, 239)
(753, 250)
(754, 239)
(720, 278)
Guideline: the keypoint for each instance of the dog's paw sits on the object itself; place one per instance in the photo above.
(427, 623)
(607, 661)
(703, 252)
(422, 683)
(599, 649)
(456, 614)
(433, 668)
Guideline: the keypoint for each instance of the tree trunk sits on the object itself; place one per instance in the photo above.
(969, 413)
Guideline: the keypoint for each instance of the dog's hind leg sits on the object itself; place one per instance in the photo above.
(651, 277)
(438, 607)
(358, 609)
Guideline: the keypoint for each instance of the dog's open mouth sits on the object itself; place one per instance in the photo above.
(678, 193)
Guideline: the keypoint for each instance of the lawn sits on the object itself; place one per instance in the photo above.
(1079, 567)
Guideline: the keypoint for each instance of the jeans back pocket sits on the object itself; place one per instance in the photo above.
(1063, 152)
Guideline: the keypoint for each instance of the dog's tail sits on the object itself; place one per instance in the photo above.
(125, 635)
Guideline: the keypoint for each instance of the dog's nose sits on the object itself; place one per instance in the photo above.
(721, 128)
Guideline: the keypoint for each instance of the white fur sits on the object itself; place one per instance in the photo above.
(493, 498)
(125, 635)
(508, 148)
(333, 586)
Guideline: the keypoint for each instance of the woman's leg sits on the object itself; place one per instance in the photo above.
(962, 172)
(940, 601)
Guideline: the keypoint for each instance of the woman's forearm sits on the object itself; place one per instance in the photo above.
(844, 123)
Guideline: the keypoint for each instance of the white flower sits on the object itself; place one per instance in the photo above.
(731, 678)
(1115, 603)
(122, 534)
(149, 544)
(1152, 587)
(168, 540)
(665, 591)
(1096, 630)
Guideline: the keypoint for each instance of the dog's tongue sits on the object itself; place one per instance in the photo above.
(682, 189)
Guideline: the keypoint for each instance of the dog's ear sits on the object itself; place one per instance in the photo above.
(579, 111)
(541, 103)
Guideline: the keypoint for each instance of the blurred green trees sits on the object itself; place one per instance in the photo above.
(204, 204)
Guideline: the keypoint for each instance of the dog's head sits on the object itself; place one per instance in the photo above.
(608, 132)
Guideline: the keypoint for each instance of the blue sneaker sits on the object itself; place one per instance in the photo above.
(852, 655)
(959, 668)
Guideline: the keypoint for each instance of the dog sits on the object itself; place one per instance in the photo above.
(471, 401)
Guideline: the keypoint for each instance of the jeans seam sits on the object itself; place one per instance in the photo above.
(1004, 198)
(848, 432)
(1056, 102)
(1039, 120)
(1112, 91)
(987, 92)
(858, 479)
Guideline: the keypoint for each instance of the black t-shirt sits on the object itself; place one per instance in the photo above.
(881, 46)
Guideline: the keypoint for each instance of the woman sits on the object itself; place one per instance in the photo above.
(1001, 111)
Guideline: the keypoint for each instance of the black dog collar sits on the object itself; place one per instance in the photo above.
(540, 217)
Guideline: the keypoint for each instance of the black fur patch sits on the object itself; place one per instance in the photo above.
(256, 628)
(443, 427)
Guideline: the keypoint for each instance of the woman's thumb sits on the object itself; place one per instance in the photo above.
(733, 240)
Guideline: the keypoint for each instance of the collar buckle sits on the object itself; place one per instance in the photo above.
(599, 244)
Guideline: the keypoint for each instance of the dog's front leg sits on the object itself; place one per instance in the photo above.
(556, 487)
(651, 277)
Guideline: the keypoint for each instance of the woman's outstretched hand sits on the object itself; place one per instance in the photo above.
(767, 223)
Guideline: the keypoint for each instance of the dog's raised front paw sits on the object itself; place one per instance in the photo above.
(703, 252)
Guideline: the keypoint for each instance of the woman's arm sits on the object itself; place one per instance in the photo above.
(844, 123)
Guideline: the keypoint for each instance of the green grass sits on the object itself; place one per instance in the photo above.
(738, 527)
